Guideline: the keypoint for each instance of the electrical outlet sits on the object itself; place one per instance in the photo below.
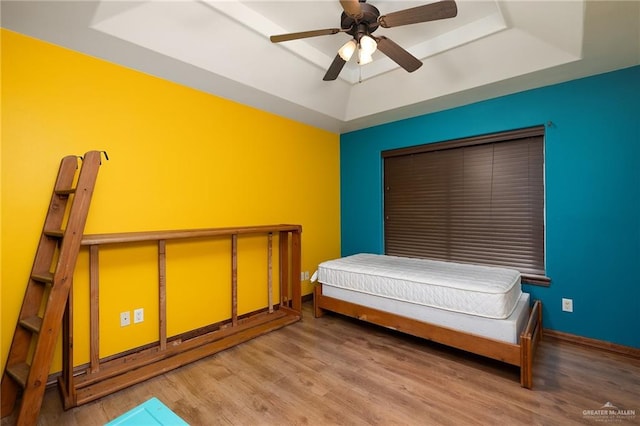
(138, 315)
(125, 319)
(567, 305)
(306, 275)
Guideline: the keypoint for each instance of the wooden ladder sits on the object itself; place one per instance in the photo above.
(47, 293)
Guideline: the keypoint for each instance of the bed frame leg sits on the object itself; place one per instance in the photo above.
(526, 358)
(528, 345)
(317, 293)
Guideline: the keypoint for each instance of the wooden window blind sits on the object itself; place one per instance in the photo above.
(478, 200)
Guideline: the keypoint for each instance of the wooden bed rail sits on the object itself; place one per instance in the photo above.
(102, 377)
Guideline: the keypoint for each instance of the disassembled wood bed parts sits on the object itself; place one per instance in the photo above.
(48, 307)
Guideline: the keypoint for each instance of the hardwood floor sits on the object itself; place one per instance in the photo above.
(334, 370)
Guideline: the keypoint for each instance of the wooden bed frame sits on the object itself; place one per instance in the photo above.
(520, 355)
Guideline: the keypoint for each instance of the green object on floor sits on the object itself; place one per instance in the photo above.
(151, 412)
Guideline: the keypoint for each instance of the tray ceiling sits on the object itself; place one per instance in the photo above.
(222, 47)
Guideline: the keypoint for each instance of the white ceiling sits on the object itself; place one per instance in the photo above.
(491, 48)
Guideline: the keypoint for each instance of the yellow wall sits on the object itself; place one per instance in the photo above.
(179, 158)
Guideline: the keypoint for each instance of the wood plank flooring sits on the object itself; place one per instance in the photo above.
(334, 370)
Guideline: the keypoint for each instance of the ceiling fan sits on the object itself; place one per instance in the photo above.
(360, 20)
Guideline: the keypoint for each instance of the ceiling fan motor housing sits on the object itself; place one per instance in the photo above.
(369, 19)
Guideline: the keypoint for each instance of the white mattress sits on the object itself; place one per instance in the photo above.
(506, 330)
(483, 291)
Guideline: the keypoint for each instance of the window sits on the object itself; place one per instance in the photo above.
(478, 200)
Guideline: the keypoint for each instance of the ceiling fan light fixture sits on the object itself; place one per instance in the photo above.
(363, 57)
(347, 50)
(368, 45)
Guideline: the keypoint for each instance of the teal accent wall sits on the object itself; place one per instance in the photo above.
(592, 178)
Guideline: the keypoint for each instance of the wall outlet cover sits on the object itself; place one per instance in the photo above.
(138, 315)
(567, 305)
(125, 319)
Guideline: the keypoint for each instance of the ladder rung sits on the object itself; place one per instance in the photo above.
(32, 323)
(65, 192)
(43, 277)
(58, 233)
(19, 373)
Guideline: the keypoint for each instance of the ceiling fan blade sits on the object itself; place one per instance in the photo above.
(352, 8)
(334, 69)
(399, 55)
(303, 34)
(428, 12)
